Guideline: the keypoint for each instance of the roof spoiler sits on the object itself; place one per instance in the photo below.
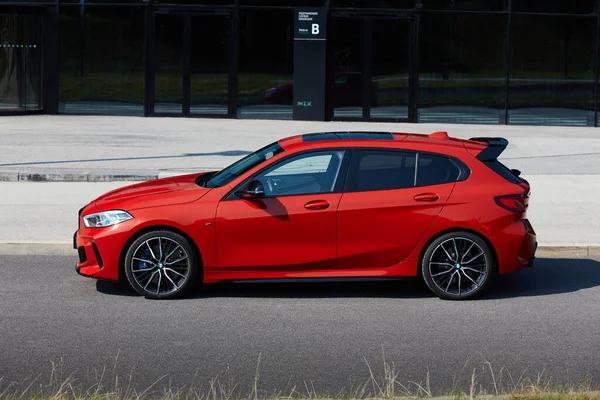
(496, 146)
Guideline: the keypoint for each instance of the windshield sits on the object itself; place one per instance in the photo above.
(242, 166)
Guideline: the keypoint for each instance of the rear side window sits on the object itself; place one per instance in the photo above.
(397, 169)
(503, 171)
(434, 170)
(383, 170)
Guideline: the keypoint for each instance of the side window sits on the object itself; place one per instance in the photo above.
(314, 172)
(434, 170)
(383, 170)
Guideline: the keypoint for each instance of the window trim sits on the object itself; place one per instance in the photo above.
(339, 186)
(464, 170)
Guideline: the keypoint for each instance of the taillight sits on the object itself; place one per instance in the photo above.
(512, 202)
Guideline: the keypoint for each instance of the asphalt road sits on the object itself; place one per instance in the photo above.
(324, 336)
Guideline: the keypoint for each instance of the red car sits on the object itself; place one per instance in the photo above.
(325, 205)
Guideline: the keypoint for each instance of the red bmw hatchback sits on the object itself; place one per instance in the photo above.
(325, 205)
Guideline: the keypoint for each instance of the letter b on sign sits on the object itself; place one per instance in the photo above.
(315, 29)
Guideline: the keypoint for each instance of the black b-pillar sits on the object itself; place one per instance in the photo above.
(309, 64)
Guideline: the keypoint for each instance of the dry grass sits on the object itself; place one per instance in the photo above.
(383, 384)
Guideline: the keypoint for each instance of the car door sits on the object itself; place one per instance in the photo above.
(291, 228)
(389, 205)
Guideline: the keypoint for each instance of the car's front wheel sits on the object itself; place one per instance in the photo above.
(458, 265)
(161, 265)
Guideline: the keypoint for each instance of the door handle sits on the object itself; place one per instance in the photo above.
(426, 197)
(317, 205)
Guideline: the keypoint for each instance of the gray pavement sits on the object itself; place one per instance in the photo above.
(104, 148)
(541, 321)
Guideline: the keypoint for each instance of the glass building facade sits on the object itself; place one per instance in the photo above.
(522, 62)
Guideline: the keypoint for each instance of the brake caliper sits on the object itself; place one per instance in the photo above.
(144, 256)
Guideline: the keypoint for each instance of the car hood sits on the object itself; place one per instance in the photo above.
(154, 193)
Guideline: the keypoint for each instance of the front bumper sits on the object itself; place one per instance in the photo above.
(99, 249)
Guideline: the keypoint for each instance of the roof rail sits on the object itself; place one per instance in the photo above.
(496, 146)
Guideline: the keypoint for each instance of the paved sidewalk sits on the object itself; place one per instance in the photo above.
(99, 148)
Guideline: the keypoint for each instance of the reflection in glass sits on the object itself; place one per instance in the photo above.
(169, 58)
(552, 73)
(346, 53)
(557, 7)
(20, 62)
(266, 55)
(209, 64)
(469, 5)
(390, 69)
(462, 77)
(101, 61)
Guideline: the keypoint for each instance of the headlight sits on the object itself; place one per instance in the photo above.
(106, 218)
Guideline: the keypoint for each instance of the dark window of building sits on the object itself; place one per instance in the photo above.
(390, 68)
(346, 57)
(194, 2)
(20, 62)
(383, 170)
(101, 61)
(467, 5)
(552, 70)
(129, 2)
(209, 64)
(435, 170)
(462, 74)
(391, 4)
(266, 55)
(283, 3)
(169, 49)
(554, 6)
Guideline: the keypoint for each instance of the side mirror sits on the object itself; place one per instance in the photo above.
(253, 190)
(515, 172)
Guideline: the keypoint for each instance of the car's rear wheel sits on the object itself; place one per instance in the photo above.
(161, 265)
(458, 266)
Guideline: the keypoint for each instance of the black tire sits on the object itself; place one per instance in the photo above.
(458, 266)
(161, 265)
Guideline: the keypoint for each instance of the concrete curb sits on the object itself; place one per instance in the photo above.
(52, 175)
(66, 248)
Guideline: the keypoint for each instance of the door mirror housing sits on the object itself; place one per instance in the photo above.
(253, 190)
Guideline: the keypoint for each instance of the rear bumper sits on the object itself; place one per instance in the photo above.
(515, 246)
(532, 259)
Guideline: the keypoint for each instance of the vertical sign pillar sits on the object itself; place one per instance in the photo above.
(310, 32)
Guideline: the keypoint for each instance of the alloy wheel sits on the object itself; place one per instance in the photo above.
(458, 266)
(160, 265)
